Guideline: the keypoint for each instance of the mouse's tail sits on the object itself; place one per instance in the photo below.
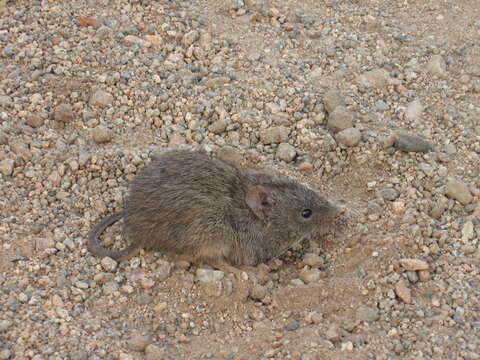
(95, 248)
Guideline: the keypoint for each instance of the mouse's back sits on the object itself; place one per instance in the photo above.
(178, 194)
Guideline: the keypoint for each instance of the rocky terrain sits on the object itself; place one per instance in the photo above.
(375, 103)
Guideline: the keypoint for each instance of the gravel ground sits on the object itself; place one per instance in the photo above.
(376, 103)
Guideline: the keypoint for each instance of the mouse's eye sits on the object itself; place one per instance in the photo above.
(306, 213)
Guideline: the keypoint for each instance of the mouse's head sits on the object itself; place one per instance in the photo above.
(291, 211)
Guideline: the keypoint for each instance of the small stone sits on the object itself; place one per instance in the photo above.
(5, 354)
(403, 292)
(367, 314)
(44, 243)
(110, 287)
(4, 325)
(314, 317)
(101, 135)
(438, 209)
(103, 277)
(340, 119)
(389, 194)
(437, 67)
(275, 134)
(457, 190)
(164, 270)
(468, 231)
(423, 275)
(79, 355)
(6, 167)
(101, 98)
(21, 150)
(312, 260)
(147, 283)
(155, 40)
(349, 137)
(63, 113)
(208, 275)
(305, 166)
(409, 142)
(258, 292)
(218, 127)
(426, 168)
(309, 275)
(292, 325)
(3, 138)
(347, 346)
(139, 342)
(34, 120)
(190, 37)
(413, 264)
(377, 78)
(108, 264)
(331, 100)
(398, 207)
(154, 352)
(84, 21)
(286, 152)
(412, 276)
(333, 333)
(81, 284)
(414, 111)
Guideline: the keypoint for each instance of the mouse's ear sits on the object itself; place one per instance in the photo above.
(260, 201)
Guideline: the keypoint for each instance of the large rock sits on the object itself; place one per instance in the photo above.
(275, 134)
(409, 142)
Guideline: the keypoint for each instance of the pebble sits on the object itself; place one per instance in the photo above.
(79, 355)
(21, 150)
(154, 352)
(6, 167)
(102, 135)
(423, 275)
(414, 111)
(63, 113)
(139, 342)
(349, 137)
(412, 276)
(258, 292)
(84, 21)
(101, 98)
(44, 243)
(367, 314)
(468, 231)
(333, 333)
(110, 287)
(331, 100)
(292, 325)
(190, 37)
(164, 270)
(108, 264)
(438, 209)
(309, 275)
(5, 354)
(286, 152)
(34, 120)
(212, 288)
(208, 275)
(427, 169)
(403, 292)
(409, 142)
(457, 190)
(437, 66)
(377, 78)
(413, 264)
(275, 134)
(389, 194)
(5, 325)
(313, 260)
(340, 119)
(218, 127)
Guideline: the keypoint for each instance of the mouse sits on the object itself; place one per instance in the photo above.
(188, 203)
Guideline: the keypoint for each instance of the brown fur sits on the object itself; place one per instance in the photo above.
(189, 203)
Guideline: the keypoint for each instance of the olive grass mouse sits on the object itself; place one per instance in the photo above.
(187, 203)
